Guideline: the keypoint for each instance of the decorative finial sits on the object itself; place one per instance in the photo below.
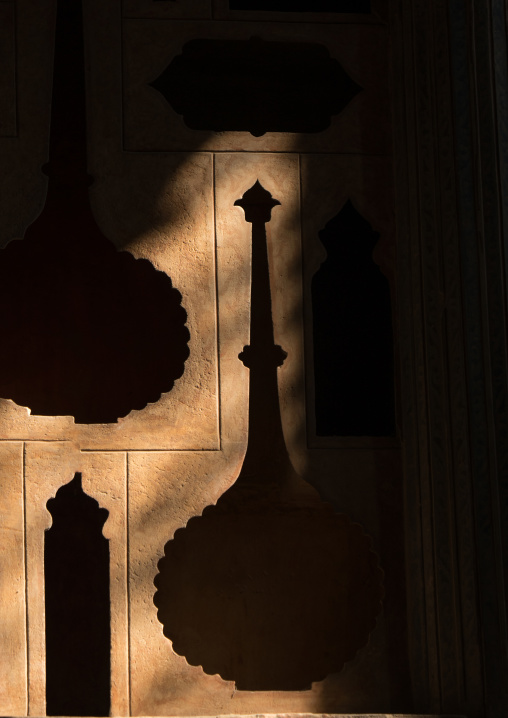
(257, 203)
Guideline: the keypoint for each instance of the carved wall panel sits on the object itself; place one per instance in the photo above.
(163, 464)
(296, 569)
(49, 466)
(13, 659)
(328, 183)
(151, 124)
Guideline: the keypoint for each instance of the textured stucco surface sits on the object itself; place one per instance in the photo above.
(167, 194)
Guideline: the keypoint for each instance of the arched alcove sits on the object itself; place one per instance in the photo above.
(352, 333)
(76, 581)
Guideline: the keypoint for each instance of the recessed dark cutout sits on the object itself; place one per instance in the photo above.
(76, 578)
(87, 331)
(352, 6)
(268, 588)
(352, 332)
(256, 86)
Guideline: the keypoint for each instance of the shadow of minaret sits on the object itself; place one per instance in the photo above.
(266, 457)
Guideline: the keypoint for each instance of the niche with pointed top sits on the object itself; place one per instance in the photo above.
(352, 333)
(76, 584)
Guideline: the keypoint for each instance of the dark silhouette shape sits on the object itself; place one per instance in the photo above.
(353, 337)
(76, 574)
(269, 588)
(256, 86)
(356, 6)
(87, 331)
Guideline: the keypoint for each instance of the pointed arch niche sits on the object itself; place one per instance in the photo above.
(77, 605)
(352, 333)
(349, 272)
(50, 469)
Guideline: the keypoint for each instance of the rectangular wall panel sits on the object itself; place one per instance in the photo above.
(13, 666)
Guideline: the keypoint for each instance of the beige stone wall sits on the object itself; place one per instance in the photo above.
(167, 193)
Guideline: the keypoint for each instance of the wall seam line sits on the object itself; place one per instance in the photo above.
(23, 464)
(217, 307)
(127, 550)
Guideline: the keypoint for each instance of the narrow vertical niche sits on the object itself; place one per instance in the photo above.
(352, 333)
(76, 571)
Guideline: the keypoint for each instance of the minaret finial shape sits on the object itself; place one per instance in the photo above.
(257, 203)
